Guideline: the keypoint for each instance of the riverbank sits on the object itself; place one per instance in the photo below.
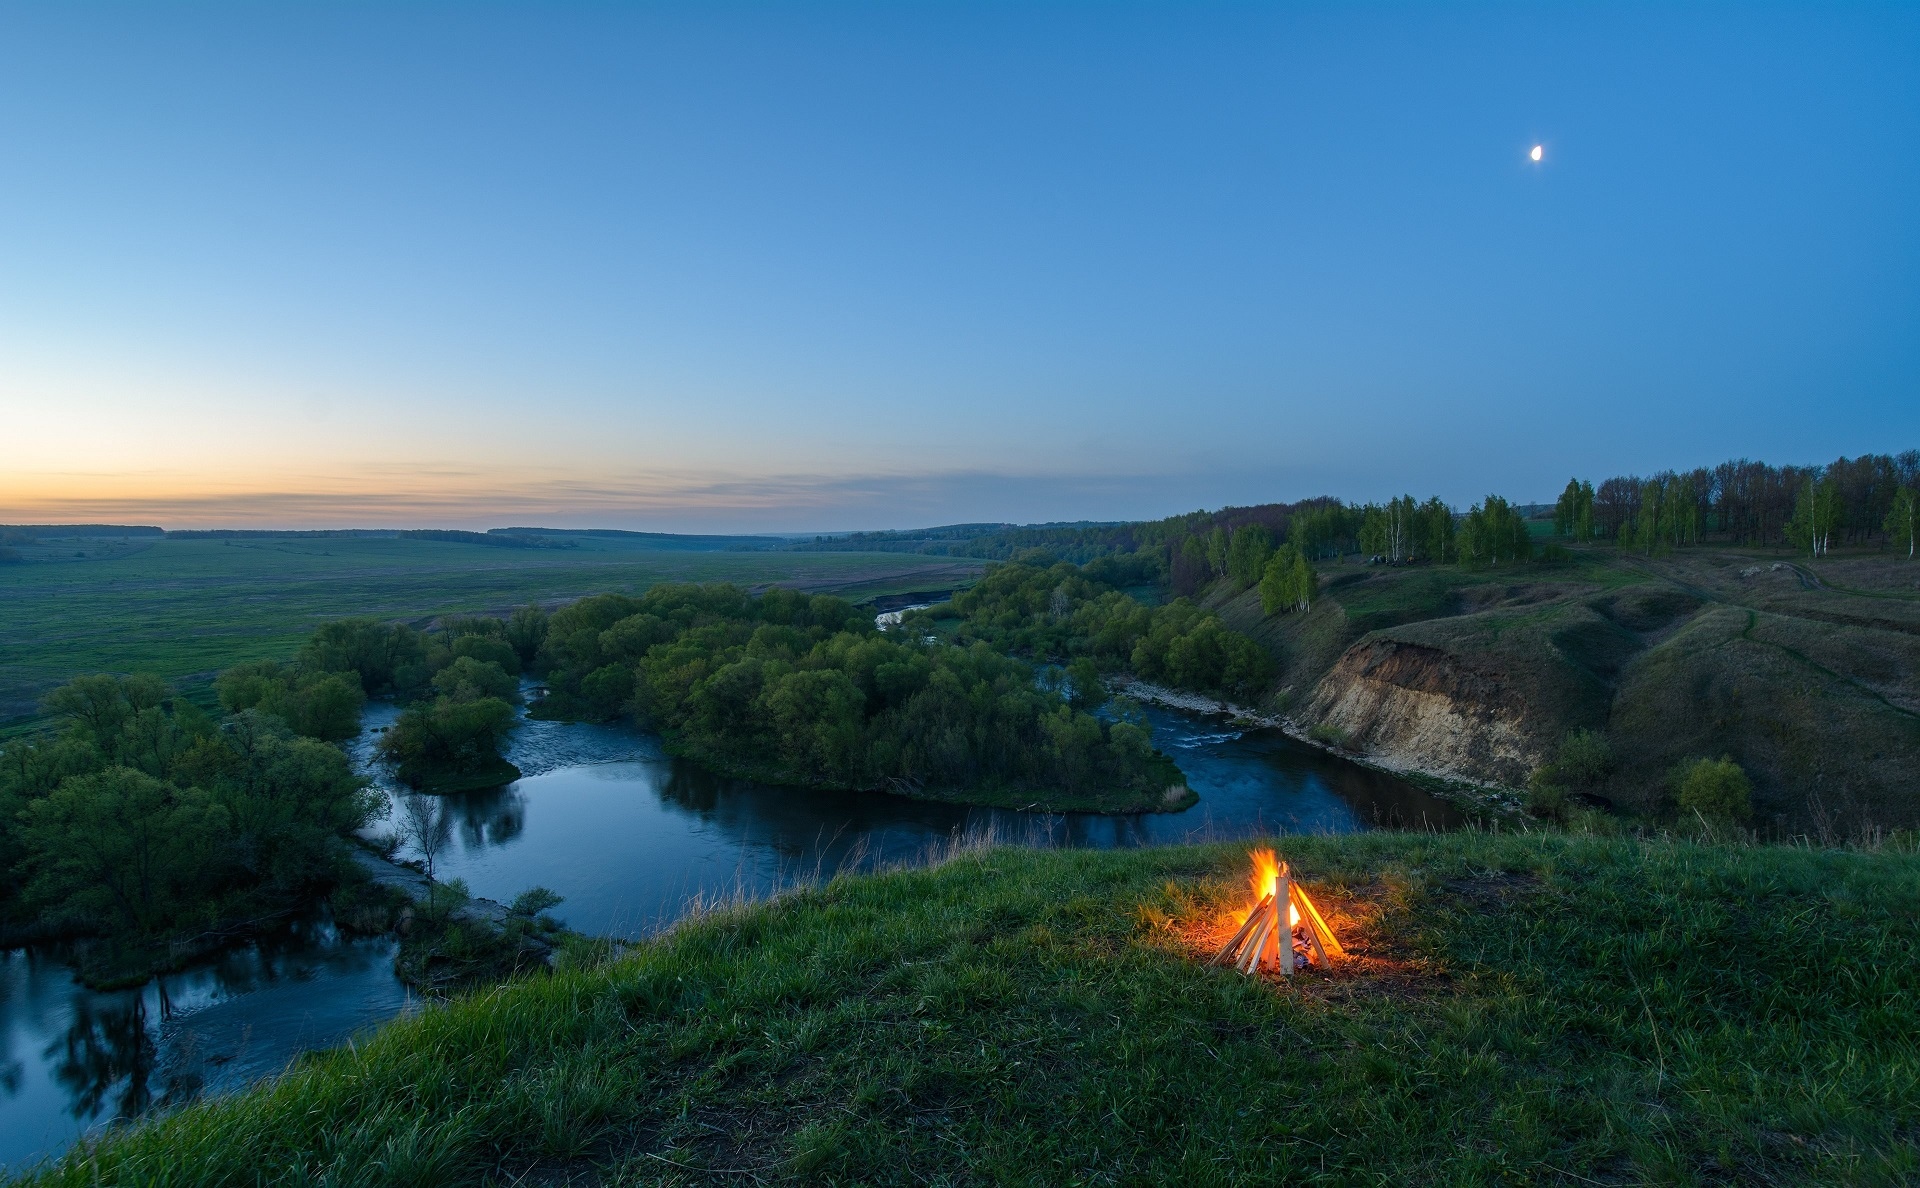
(449, 939)
(1532, 1007)
(1478, 800)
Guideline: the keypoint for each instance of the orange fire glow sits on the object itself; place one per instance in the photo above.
(1266, 874)
(1265, 882)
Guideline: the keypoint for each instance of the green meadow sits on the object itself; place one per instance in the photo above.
(185, 608)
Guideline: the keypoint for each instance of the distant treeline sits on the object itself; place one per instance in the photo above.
(498, 540)
(494, 539)
(265, 533)
(30, 531)
(992, 542)
(665, 540)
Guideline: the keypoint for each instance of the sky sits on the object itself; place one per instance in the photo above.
(810, 267)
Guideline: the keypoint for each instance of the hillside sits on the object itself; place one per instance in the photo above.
(1551, 1009)
(1810, 679)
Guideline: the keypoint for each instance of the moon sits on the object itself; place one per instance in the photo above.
(1538, 152)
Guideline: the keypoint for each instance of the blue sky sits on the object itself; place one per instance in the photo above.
(805, 267)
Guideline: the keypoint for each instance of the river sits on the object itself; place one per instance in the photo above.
(630, 837)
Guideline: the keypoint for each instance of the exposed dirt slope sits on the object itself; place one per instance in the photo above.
(1810, 679)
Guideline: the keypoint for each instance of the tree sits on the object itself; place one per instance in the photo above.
(1435, 531)
(426, 825)
(1247, 554)
(1373, 530)
(1573, 510)
(1289, 583)
(1085, 690)
(468, 679)
(120, 843)
(1402, 514)
(1815, 514)
(1493, 532)
(1902, 524)
(317, 704)
(526, 631)
(1217, 552)
(446, 737)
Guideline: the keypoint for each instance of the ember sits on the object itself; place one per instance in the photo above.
(1309, 940)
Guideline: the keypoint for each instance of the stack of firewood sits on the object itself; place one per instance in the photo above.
(1307, 939)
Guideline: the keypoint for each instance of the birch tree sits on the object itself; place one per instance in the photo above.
(1903, 521)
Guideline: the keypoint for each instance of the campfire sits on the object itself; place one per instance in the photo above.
(1308, 939)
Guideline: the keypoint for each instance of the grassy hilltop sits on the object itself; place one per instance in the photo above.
(1544, 1009)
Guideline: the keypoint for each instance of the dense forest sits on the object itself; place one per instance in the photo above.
(803, 690)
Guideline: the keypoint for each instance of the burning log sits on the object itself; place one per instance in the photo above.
(1304, 939)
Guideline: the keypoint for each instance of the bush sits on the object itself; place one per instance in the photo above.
(1546, 799)
(1328, 735)
(1580, 766)
(1715, 789)
(1585, 759)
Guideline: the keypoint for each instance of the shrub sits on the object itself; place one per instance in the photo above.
(1546, 799)
(1715, 789)
(1585, 759)
(1328, 735)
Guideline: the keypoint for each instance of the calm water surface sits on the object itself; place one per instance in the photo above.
(629, 836)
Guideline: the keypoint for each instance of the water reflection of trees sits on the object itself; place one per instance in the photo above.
(490, 817)
(692, 787)
(107, 1055)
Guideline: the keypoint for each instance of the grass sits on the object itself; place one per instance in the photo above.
(1543, 1008)
(186, 608)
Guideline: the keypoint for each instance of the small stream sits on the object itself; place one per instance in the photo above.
(630, 837)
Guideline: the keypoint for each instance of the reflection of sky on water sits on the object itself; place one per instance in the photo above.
(629, 836)
(72, 1059)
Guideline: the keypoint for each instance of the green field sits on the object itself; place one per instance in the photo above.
(1539, 1009)
(186, 608)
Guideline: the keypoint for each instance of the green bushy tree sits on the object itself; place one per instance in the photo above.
(1715, 789)
(1289, 583)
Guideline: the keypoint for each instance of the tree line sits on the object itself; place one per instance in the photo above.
(1871, 499)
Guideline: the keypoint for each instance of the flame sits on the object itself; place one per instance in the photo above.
(1265, 882)
(1266, 874)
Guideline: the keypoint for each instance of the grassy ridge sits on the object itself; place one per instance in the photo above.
(1523, 1008)
(184, 608)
